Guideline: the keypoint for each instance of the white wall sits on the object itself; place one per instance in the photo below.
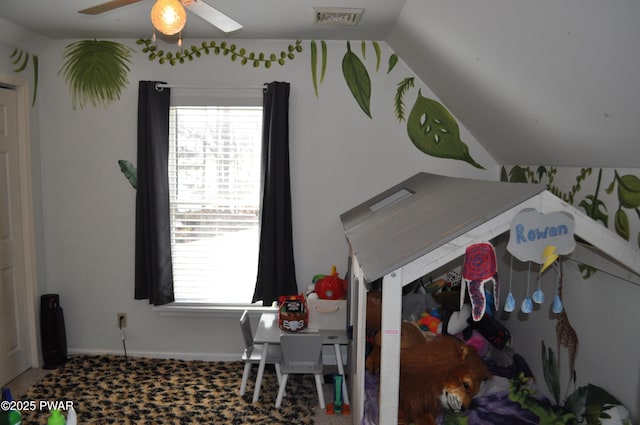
(339, 157)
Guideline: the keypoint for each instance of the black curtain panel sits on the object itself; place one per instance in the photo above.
(276, 267)
(154, 272)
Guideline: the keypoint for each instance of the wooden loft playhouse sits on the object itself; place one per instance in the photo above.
(425, 223)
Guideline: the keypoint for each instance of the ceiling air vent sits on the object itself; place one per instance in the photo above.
(337, 15)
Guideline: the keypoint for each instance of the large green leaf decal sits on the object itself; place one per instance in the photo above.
(357, 79)
(434, 131)
(96, 71)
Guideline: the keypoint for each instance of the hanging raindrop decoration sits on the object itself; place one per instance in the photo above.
(510, 303)
(527, 305)
(556, 306)
(538, 295)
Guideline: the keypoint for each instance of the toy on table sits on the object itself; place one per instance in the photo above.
(330, 287)
(293, 315)
(338, 406)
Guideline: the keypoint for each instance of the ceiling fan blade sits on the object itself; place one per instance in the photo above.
(214, 16)
(105, 7)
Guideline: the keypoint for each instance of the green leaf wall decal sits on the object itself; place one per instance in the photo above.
(434, 131)
(393, 60)
(595, 208)
(357, 79)
(96, 71)
(550, 371)
(376, 48)
(323, 68)
(21, 59)
(129, 171)
(398, 104)
(314, 64)
(629, 190)
(622, 224)
(34, 61)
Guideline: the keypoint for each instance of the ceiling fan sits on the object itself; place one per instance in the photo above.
(199, 7)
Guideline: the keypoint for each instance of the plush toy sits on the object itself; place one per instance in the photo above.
(436, 373)
(429, 322)
(479, 269)
(410, 336)
(440, 374)
(449, 323)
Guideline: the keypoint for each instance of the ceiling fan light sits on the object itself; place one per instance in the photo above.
(168, 16)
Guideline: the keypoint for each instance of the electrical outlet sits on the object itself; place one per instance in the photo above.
(122, 320)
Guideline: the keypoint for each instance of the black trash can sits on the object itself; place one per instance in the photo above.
(53, 336)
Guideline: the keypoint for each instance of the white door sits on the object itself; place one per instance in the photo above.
(15, 354)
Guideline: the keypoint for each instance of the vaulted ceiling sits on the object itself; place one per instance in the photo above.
(545, 82)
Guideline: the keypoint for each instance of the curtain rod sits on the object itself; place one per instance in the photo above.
(161, 86)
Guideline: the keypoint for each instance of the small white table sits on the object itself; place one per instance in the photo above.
(269, 332)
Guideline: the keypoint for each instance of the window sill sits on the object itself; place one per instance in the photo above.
(210, 310)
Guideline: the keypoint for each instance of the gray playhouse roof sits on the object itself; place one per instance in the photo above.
(422, 213)
(428, 219)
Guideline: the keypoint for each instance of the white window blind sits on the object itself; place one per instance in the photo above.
(214, 178)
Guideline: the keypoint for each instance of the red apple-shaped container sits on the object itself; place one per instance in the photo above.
(331, 287)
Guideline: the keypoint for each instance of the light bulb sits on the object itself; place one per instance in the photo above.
(168, 16)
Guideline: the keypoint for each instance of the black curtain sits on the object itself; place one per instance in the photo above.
(154, 272)
(276, 268)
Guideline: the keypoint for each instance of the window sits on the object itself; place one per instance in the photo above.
(214, 179)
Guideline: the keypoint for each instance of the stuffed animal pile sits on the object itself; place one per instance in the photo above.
(436, 371)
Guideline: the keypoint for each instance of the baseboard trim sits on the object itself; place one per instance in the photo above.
(329, 357)
(210, 357)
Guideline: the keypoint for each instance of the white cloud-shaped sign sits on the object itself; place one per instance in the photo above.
(541, 237)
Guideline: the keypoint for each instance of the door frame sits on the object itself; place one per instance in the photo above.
(23, 111)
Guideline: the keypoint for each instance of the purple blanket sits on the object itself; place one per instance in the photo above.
(491, 406)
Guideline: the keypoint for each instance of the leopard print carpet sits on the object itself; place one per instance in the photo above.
(113, 390)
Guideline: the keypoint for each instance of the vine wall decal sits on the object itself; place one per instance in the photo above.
(231, 50)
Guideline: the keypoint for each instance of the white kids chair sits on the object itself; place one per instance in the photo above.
(253, 352)
(301, 354)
